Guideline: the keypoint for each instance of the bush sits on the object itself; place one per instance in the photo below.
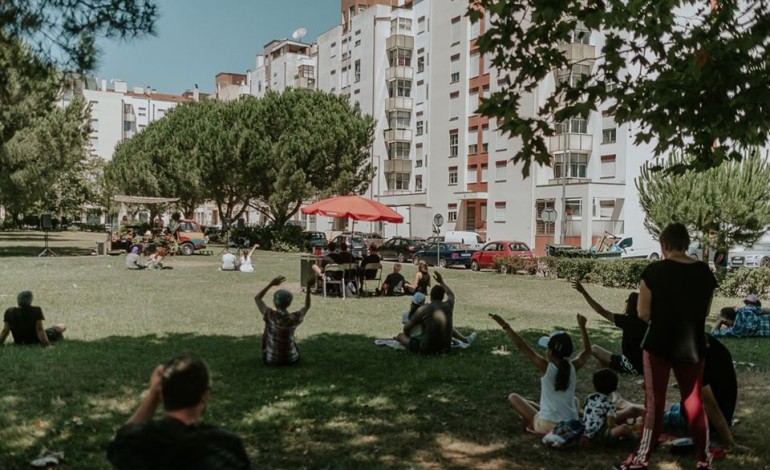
(620, 273)
(744, 281)
(572, 268)
(513, 264)
(289, 238)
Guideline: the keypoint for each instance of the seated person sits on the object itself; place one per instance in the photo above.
(228, 261)
(156, 258)
(394, 282)
(133, 258)
(25, 323)
(245, 261)
(370, 258)
(747, 321)
(421, 279)
(279, 347)
(178, 439)
(599, 414)
(331, 257)
(345, 257)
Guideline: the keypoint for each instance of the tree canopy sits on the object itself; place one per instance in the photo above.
(731, 202)
(694, 76)
(270, 153)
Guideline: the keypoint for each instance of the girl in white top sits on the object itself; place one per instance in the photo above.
(245, 265)
(557, 377)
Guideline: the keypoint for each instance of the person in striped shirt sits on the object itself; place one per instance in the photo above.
(278, 344)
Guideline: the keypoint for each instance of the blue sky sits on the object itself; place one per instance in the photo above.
(196, 39)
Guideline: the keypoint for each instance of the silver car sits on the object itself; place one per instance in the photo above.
(754, 257)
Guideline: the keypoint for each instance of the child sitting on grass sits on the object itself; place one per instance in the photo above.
(599, 416)
(557, 378)
(278, 344)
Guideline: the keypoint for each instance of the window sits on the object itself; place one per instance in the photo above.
(451, 216)
(454, 69)
(333, 50)
(455, 30)
(609, 136)
(398, 181)
(475, 27)
(581, 34)
(452, 175)
(420, 25)
(418, 155)
(499, 212)
(474, 68)
(419, 128)
(419, 92)
(575, 125)
(400, 87)
(400, 56)
(142, 112)
(473, 139)
(473, 101)
(484, 173)
(94, 106)
(357, 71)
(420, 64)
(573, 207)
(399, 119)
(454, 105)
(398, 151)
(606, 208)
(473, 175)
(485, 139)
(501, 171)
(570, 165)
(454, 144)
(487, 64)
(608, 166)
(573, 75)
(418, 183)
(127, 126)
(401, 26)
(357, 43)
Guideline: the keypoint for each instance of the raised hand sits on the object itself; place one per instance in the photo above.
(277, 281)
(578, 286)
(581, 320)
(437, 276)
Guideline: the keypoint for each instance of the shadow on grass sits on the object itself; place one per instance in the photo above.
(17, 251)
(348, 404)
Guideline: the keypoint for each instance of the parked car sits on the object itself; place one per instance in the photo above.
(190, 237)
(435, 239)
(695, 251)
(375, 238)
(444, 255)
(400, 248)
(315, 240)
(356, 244)
(485, 258)
(642, 246)
(756, 256)
(212, 234)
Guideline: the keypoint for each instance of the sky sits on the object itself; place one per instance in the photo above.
(197, 39)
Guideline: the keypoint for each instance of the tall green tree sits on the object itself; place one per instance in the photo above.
(731, 201)
(38, 156)
(693, 75)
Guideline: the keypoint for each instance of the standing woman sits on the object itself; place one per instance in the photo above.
(674, 299)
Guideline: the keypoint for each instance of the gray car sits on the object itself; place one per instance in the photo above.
(756, 256)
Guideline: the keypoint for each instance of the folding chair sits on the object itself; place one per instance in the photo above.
(349, 274)
(372, 272)
(334, 274)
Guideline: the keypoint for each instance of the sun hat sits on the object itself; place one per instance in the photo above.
(752, 299)
(558, 342)
(418, 298)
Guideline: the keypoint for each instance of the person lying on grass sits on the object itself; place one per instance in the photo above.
(278, 344)
(557, 377)
(178, 439)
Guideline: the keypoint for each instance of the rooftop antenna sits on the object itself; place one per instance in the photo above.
(298, 34)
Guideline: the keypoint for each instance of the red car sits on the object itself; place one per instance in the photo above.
(485, 257)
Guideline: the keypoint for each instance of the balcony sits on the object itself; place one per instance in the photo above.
(579, 53)
(400, 71)
(402, 103)
(399, 40)
(129, 117)
(398, 135)
(571, 142)
(397, 166)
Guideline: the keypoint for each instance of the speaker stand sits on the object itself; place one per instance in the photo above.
(47, 251)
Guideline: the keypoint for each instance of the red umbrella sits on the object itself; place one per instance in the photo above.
(354, 207)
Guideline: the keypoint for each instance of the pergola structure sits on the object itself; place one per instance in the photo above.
(140, 201)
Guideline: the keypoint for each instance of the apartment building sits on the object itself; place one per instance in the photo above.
(230, 86)
(283, 64)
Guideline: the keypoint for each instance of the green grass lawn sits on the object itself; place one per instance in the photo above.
(349, 404)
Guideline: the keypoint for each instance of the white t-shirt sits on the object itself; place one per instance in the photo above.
(228, 262)
(557, 406)
(246, 265)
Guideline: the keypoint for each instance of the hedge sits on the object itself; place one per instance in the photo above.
(744, 281)
(609, 273)
(514, 264)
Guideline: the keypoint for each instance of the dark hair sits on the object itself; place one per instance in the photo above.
(332, 246)
(675, 237)
(373, 248)
(437, 293)
(605, 381)
(343, 246)
(24, 299)
(185, 380)
(631, 303)
(728, 313)
(560, 346)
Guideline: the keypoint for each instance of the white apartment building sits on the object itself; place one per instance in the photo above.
(283, 64)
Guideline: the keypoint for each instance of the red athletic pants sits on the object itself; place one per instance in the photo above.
(689, 376)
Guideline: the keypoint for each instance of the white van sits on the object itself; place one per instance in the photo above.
(637, 247)
(472, 239)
